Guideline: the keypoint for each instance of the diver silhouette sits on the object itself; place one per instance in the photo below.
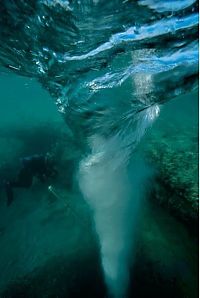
(40, 166)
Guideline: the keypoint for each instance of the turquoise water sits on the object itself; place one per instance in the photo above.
(39, 234)
(111, 90)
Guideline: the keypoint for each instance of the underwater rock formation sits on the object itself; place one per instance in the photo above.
(176, 161)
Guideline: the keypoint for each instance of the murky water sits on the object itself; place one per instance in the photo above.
(118, 108)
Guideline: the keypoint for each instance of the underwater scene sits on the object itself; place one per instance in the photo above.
(99, 149)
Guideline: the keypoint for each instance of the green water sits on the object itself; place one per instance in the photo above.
(49, 247)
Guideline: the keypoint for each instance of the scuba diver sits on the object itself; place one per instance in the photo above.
(40, 166)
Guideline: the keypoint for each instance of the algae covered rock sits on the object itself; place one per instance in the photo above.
(175, 158)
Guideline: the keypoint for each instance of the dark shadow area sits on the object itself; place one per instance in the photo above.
(61, 277)
(149, 281)
(37, 139)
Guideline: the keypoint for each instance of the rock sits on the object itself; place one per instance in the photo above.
(175, 158)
